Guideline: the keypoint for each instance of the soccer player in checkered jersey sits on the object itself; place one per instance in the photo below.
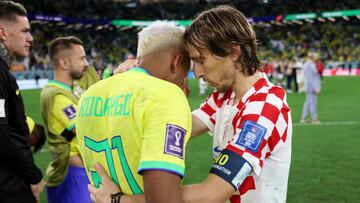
(248, 116)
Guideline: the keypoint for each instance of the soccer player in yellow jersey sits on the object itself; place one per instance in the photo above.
(136, 124)
(66, 178)
(247, 115)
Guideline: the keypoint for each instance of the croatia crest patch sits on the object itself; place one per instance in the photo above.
(251, 136)
(70, 112)
(174, 140)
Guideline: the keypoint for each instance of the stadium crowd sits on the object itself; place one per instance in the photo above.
(176, 9)
(108, 45)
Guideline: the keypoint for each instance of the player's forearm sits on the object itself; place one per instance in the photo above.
(193, 193)
(213, 190)
(190, 193)
(196, 193)
(132, 199)
(161, 187)
(198, 127)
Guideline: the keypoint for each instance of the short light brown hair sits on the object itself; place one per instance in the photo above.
(218, 28)
(62, 43)
(9, 10)
(313, 55)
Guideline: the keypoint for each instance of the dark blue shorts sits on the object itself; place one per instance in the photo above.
(72, 189)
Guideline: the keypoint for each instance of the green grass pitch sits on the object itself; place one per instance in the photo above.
(325, 164)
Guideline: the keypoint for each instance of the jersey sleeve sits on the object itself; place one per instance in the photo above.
(4, 95)
(166, 130)
(11, 153)
(261, 129)
(64, 110)
(207, 111)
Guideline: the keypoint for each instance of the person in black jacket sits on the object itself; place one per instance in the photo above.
(20, 180)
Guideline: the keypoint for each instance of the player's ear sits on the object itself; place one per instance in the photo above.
(235, 51)
(2, 34)
(63, 62)
(176, 63)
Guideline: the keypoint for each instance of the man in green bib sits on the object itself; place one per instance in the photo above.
(65, 176)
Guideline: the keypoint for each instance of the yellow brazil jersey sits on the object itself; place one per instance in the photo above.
(133, 122)
(62, 115)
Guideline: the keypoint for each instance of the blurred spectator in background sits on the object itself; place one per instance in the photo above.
(320, 66)
(299, 65)
(336, 40)
(108, 71)
(290, 76)
(268, 69)
(312, 88)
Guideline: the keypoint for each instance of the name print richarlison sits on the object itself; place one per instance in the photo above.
(109, 106)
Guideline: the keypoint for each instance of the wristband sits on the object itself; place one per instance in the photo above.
(115, 198)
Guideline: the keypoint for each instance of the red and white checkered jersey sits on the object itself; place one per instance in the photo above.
(264, 105)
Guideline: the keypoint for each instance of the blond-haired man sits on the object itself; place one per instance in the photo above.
(136, 124)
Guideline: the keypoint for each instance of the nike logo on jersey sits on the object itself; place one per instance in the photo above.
(216, 149)
(17, 92)
(216, 152)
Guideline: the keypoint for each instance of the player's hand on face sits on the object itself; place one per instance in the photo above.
(36, 189)
(130, 63)
(108, 187)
